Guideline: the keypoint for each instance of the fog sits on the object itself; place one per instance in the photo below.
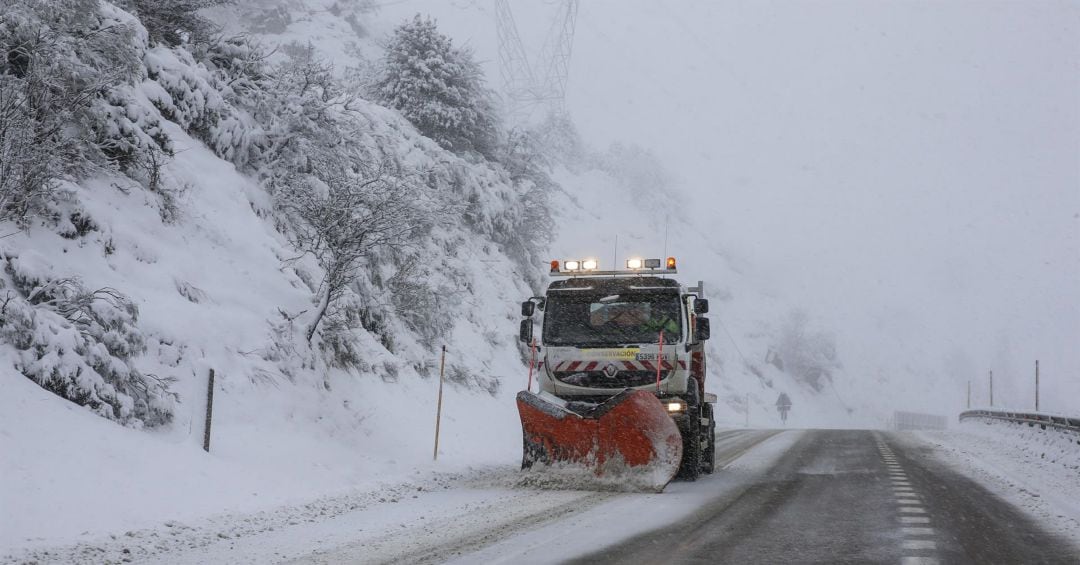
(906, 171)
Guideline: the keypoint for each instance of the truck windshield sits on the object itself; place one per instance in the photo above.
(579, 319)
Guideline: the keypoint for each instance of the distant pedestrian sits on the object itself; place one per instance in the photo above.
(783, 405)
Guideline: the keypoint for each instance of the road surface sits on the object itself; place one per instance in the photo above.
(850, 497)
(817, 496)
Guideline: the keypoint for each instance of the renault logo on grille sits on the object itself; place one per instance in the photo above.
(610, 370)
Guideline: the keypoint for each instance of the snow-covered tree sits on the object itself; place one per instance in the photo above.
(438, 87)
(345, 213)
(64, 108)
(173, 22)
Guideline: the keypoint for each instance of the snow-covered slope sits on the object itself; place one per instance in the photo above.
(217, 285)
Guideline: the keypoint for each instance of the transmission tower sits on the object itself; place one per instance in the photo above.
(541, 86)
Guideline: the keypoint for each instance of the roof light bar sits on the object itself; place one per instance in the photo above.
(587, 267)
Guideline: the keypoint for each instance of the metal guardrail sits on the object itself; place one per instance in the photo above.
(1030, 418)
(916, 421)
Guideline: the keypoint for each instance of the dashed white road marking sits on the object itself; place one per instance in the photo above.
(914, 519)
(915, 528)
(919, 561)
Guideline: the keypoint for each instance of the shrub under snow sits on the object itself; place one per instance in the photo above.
(79, 343)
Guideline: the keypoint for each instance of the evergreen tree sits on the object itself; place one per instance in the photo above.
(174, 22)
(439, 88)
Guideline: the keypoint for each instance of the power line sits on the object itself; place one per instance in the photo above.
(732, 340)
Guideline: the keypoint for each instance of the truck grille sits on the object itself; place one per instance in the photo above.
(599, 379)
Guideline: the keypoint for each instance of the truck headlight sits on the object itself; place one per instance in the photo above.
(676, 406)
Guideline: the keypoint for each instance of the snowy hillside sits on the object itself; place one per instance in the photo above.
(129, 283)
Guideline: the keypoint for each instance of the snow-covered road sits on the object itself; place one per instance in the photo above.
(793, 496)
(496, 515)
(496, 511)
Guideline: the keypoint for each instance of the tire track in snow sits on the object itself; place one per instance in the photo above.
(476, 528)
(496, 520)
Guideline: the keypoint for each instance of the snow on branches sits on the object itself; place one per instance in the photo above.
(80, 343)
(344, 214)
(439, 88)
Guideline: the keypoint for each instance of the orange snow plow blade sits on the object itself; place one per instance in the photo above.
(629, 439)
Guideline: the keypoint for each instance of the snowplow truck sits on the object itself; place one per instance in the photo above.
(620, 366)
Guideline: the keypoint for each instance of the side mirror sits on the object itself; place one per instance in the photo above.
(525, 334)
(701, 332)
(527, 308)
(701, 306)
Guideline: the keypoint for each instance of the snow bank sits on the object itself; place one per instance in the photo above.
(1037, 470)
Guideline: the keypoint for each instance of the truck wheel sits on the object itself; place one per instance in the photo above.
(708, 463)
(690, 467)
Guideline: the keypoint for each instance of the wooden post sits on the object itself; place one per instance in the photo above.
(209, 411)
(991, 388)
(1036, 385)
(438, 410)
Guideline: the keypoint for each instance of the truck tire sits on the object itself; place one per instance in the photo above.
(708, 463)
(690, 467)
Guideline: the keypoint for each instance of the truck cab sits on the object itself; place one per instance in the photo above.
(603, 332)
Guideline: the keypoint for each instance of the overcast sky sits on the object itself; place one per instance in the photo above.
(907, 168)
